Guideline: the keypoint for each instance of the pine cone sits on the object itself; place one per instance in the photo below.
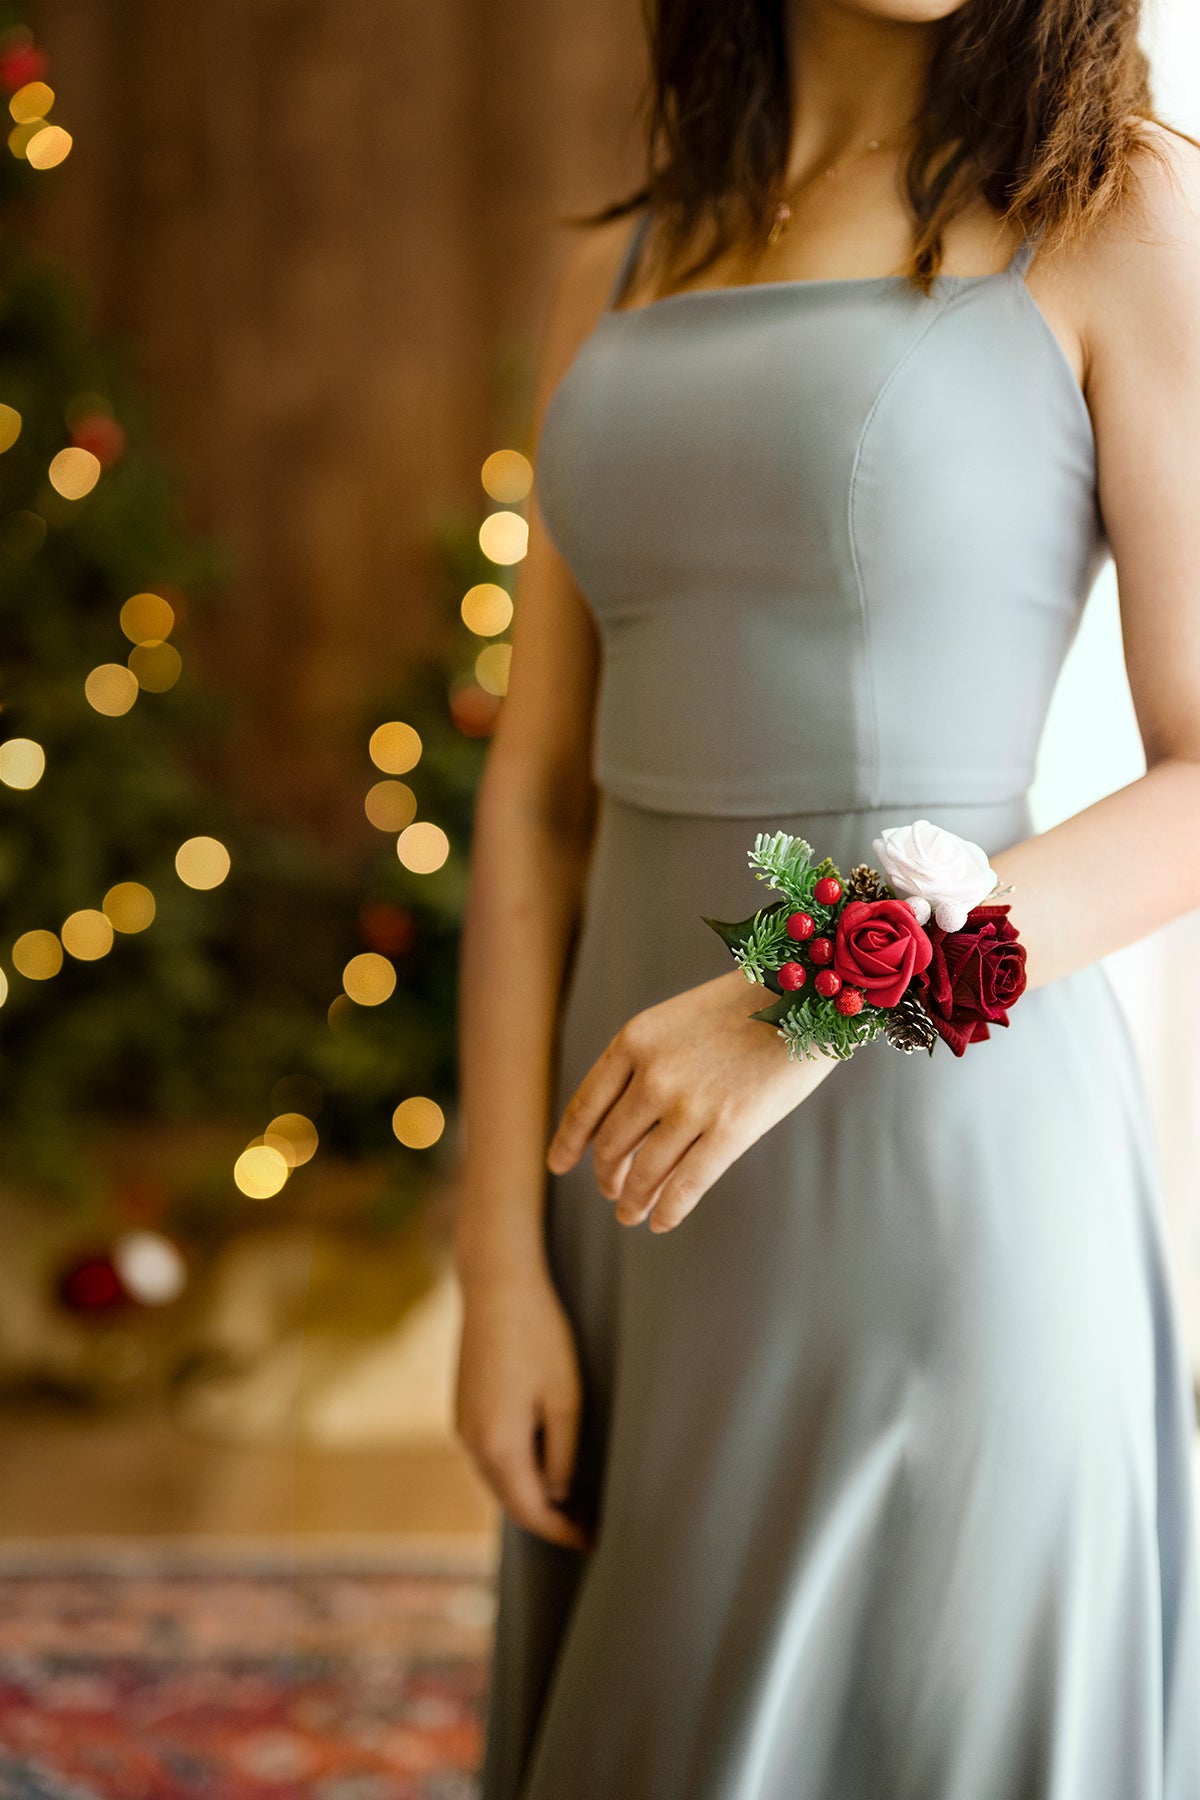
(864, 883)
(908, 1026)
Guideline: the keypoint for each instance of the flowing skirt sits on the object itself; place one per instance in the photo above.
(890, 1440)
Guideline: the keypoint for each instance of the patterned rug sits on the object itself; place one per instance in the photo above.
(261, 1675)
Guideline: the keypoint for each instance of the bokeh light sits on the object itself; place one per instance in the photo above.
(22, 763)
(418, 1122)
(10, 427)
(202, 862)
(507, 476)
(87, 935)
(294, 1135)
(155, 666)
(369, 979)
(492, 667)
(48, 147)
(31, 102)
(395, 747)
(111, 688)
(487, 609)
(3, 987)
(504, 537)
(390, 805)
(260, 1171)
(37, 955)
(74, 472)
(147, 618)
(129, 906)
(422, 847)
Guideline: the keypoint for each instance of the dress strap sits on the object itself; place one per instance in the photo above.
(1025, 252)
(629, 258)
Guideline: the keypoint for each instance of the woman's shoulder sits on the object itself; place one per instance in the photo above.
(1141, 259)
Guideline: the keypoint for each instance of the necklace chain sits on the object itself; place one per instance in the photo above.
(783, 212)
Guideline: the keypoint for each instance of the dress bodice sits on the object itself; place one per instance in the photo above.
(836, 536)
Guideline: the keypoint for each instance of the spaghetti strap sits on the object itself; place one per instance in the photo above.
(629, 258)
(1025, 252)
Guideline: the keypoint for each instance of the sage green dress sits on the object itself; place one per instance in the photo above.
(889, 1441)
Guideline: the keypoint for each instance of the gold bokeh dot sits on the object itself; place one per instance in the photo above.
(395, 747)
(3, 987)
(22, 763)
(10, 427)
(20, 135)
(87, 935)
(111, 689)
(369, 979)
(294, 1136)
(418, 1122)
(507, 476)
(74, 472)
(147, 618)
(504, 537)
(48, 147)
(31, 102)
(492, 667)
(37, 955)
(260, 1171)
(202, 862)
(129, 906)
(422, 847)
(155, 666)
(340, 1012)
(487, 609)
(390, 805)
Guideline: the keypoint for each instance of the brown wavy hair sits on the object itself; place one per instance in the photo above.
(1037, 105)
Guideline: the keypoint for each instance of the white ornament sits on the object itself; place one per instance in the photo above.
(919, 906)
(150, 1267)
(951, 915)
(945, 873)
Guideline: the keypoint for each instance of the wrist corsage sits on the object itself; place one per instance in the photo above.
(916, 950)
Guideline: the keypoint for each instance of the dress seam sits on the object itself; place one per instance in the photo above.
(874, 761)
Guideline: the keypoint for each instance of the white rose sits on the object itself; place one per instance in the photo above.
(935, 871)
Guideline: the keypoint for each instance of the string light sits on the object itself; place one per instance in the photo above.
(294, 1136)
(111, 689)
(418, 1122)
(202, 862)
(395, 747)
(87, 935)
(369, 979)
(49, 146)
(492, 667)
(3, 987)
(260, 1171)
(10, 427)
(504, 537)
(487, 609)
(129, 906)
(507, 476)
(22, 763)
(74, 472)
(155, 666)
(390, 805)
(422, 847)
(37, 955)
(31, 103)
(147, 618)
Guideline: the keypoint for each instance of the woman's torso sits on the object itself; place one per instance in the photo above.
(836, 536)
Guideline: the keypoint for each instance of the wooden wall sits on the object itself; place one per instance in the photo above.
(323, 229)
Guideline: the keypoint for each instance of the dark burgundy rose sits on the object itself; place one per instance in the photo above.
(879, 948)
(974, 976)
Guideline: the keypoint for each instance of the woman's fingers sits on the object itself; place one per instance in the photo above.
(560, 1440)
(597, 1091)
(706, 1159)
(633, 1115)
(670, 1140)
(512, 1473)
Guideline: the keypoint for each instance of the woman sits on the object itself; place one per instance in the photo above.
(844, 1454)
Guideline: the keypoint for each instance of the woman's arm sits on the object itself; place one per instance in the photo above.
(1130, 863)
(518, 1391)
(685, 1087)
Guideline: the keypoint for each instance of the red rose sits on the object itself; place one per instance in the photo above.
(975, 975)
(879, 948)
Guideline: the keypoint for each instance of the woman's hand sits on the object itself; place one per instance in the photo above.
(517, 1400)
(677, 1095)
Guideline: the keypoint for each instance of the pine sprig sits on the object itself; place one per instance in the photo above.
(786, 862)
(811, 1025)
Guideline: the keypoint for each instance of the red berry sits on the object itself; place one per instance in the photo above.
(792, 975)
(821, 950)
(849, 1002)
(827, 984)
(828, 890)
(800, 925)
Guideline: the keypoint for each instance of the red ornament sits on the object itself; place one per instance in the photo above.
(827, 984)
(388, 928)
(821, 950)
(792, 975)
(99, 433)
(828, 890)
(22, 64)
(92, 1285)
(849, 1002)
(474, 710)
(800, 925)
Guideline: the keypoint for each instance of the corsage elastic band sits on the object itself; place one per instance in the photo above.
(913, 951)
